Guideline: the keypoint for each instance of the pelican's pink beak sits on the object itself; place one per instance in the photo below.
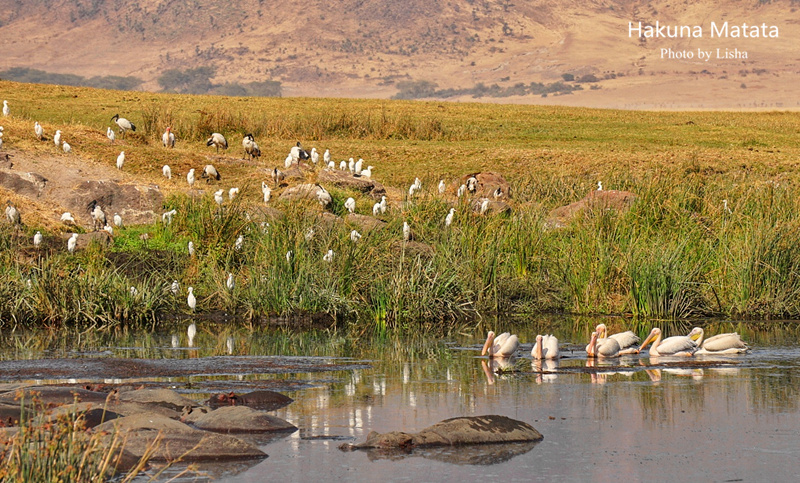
(488, 343)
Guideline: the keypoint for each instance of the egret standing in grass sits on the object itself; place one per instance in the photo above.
(230, 282)
(191, 300)
(367, 173)
(328, 257)
(6, 110)
(599, 186)
(190, 177)
(12, 214)
(121, 160)
(383, 204)
(218, 196)
(267, 192)
(239, 243)
(190, 247)
(314, 156)
(66, 147)
(442, 187)
(167, 171)
(168, 138)
(232, 193)
(355, 236)
(37, 239)
(192, 330)
(38, 130)
(406, 232)
(350, 204)
(175, 287)
(72, 243)
(461, 190)
(376, 209)
(110, 135)
(448, 220)
(123, 124)
(484, 206)
(289, 256)
(326, 157)
(57, 138)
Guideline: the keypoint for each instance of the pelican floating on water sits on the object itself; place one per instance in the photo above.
(679, 345)
(504, 345)
(729, 343)
(546, 347)
(627, 340)
(602, 348)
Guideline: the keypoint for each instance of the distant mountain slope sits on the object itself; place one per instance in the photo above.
(362, 48)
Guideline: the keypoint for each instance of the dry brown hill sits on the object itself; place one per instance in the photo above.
(362, 48)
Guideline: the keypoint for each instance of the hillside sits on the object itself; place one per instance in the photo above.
(364, 48)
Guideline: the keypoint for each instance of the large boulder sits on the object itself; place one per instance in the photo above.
(137, 204)
(241, 419)
(455, 432)
(595, 200)
(345, 180)
(304, 191)
(26, 184)
(141, 430)
(489, 185)
(159, 397)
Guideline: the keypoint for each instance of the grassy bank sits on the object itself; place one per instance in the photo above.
(677, 253)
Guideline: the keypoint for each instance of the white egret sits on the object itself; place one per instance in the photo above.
(134, 291)
(599, 186)
(546, 347)
(109, 229)
(289, 256)
(6, 110)
(12, 214)
(218, 196)
(351, 165)
(190, 177)
(218, 141)
(323, 196)
(448, 220)
(725, 207)
(367, 173)
(110, 135)
(326, 157)
(314, 156)
(328, 257)
(190, 247)
(191, 300)
(358, 166)
(232, 193)
(442, 187)
(191, 332)
(239, 243)
(121, 160)
(117, 220)
(175, 287)
(355, 236)
(98, 216)
(229, 342)
(123, 124)
(230, 282)
(383, 204)
(37, 239)
(679, 345)
(167, 171)
(57, 138)
(331, 165)
(166, 217)
(350, 204)
(267, 192)
(38, 130)
(342, 166)
(168, 138)
(503, 345)
(66, 147)
(406, 232)
(72, 243)
(376, 209)
(484, 206)
(67, 217)
(461, 190)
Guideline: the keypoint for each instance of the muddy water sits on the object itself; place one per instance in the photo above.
(637, 419)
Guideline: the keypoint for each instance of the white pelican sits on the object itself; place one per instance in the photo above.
(602, 349)
(628, 341)
(326, 157)
(729, 343)
(267, 192)
(37, 239)
(167, 171)
(57, 138)
(38, 130)
(123, 124)
(72, 243)
(232, 193)
(121, 160)
(66, 147)
(6, 111)
(328, 257)
(546, 347)
(190, 177)
(350, 204)
(442, 187)
(376, 209)
(192, 330)
(230, 282)
(355, 236)
(110, 134)
(218, 141)
(448, 220)
(191, 301)
(168, 138)
(504, 345)
(314, 156)
(679, 345)
(117, 220)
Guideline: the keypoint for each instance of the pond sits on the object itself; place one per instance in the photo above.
(734, 418)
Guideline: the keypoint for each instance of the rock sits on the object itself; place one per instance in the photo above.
(178, 440)
(294, 173)
(455, 432)
(364, 223)
(345, 180)
(492, 208)
(241, 419)
(488, 184)
(263, 400)
(158, 397)
(26, 184)
(328, 220)
(605, 199)
(305, 191)
(136, 204)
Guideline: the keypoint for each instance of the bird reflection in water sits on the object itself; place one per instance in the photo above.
(497, 367)
(545, 370)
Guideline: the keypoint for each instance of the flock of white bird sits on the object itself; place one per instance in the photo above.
(603, 346)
